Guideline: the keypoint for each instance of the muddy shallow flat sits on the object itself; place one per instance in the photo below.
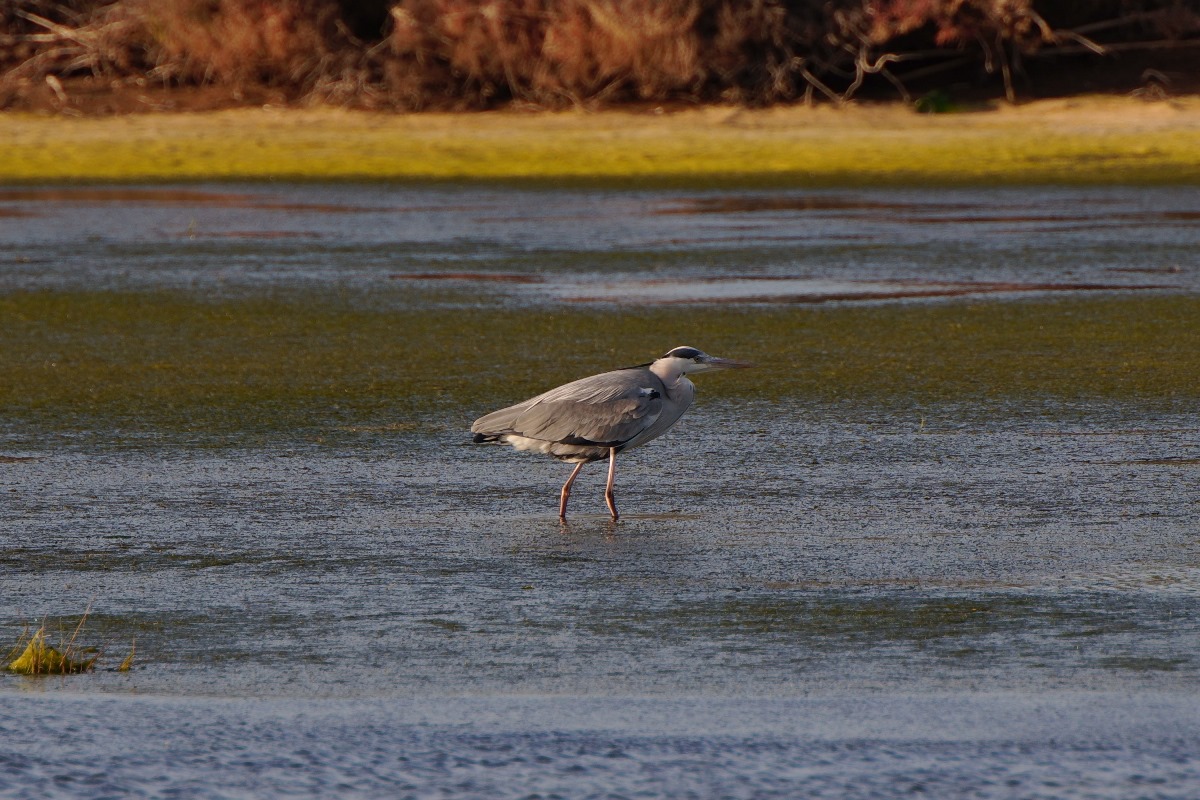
(249, 454)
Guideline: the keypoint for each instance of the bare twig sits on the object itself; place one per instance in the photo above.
(1006, 71)
(1119, 47)
(56, 86)
(1119, 22)
(935, 69)
(864, 67)
(1087, 43)
(815, 82)
(61, 31)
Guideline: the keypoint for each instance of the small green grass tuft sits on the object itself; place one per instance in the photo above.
(39, 658)
(127, 664)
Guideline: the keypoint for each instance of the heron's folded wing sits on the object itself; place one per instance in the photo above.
(499, 422)
(608, 409)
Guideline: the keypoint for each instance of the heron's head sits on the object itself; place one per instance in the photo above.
(689, 360)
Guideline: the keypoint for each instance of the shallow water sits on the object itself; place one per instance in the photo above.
(856, 597)
(874, 746)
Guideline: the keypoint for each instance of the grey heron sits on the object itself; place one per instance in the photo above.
(597, 417)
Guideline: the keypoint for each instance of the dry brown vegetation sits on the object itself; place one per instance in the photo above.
(419, 54)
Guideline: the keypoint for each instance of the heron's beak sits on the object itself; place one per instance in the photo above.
(712, 362)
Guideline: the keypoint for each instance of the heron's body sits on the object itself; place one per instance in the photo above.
(602, 415)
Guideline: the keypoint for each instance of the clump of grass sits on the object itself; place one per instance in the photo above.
(39, 657)
(127, 664)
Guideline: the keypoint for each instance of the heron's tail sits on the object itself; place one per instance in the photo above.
(494, 426)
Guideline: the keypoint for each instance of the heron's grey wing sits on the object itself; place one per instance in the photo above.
(608, 409)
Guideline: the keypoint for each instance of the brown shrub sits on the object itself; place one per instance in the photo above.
(591, 49)
(298, 45)
(413, 54)
(231, 41)
(544, 52)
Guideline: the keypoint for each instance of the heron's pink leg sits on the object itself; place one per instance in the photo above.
(612, 474)
(566, 491)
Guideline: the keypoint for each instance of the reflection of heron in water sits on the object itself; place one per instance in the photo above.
(598, 417)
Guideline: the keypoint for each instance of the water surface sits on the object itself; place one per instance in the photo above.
(942, 541)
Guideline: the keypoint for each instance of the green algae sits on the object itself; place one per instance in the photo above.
(954, 628)
(1145, 663)
(317, 365)
(888, 618)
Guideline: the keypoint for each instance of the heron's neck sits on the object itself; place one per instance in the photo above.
(670, 374)
(667, 371)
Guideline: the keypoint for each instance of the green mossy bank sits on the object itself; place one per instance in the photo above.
(1091, 141)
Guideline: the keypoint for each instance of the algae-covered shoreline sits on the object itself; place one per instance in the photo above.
(1080, 141)
(313, 366)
